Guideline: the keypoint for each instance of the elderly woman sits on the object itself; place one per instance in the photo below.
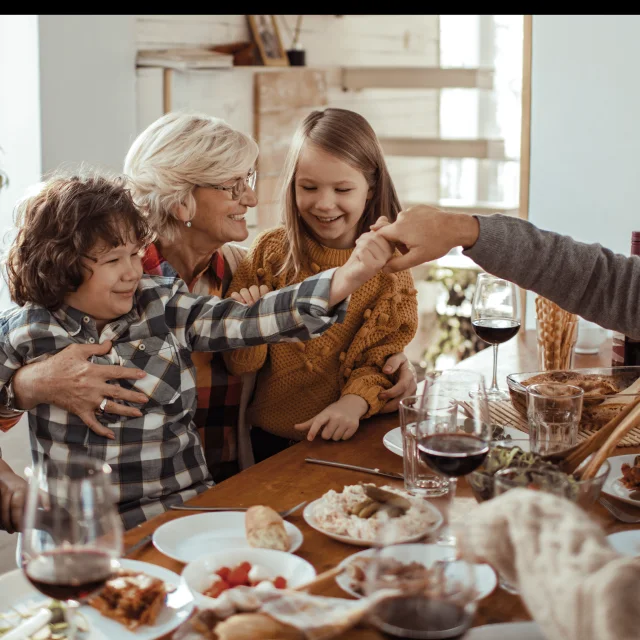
(193, 176)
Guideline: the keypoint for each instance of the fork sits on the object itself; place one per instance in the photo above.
(283, 514)
(618, 513)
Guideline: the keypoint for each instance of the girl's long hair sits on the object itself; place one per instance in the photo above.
(350, 138)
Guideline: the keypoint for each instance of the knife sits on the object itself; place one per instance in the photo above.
(353, 467)
(141, 543)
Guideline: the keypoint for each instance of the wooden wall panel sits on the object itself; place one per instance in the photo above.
(281, 100)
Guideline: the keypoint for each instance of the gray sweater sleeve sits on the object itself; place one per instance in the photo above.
(585, 279)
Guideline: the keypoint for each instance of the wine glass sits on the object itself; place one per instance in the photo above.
(454, 447)
(495, 317)
(72, 533)
(419, 590)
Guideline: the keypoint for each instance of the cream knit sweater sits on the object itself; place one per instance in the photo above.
(573, 583)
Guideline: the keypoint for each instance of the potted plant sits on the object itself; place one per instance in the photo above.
(296, 53)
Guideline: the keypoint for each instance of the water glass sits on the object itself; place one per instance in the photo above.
(419, 479)
(554, 412)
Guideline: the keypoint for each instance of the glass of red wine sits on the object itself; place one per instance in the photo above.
(72, 533)
(458, 446)
(495, 317)
(420, 590)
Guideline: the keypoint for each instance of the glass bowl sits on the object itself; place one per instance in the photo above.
(583, 492)
(621, 377)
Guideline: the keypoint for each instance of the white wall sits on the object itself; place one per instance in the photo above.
(585, 129)
(87, 88)
(19, 110)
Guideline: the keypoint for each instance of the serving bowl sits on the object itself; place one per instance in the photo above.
(198, 574)
(583, 492)
(621, 377)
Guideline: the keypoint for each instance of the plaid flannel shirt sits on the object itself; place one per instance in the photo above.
(157, 460)
(218, 392)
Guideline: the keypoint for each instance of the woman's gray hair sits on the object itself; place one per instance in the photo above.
(178, 152)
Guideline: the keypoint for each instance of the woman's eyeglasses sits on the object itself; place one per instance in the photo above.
(238, 188)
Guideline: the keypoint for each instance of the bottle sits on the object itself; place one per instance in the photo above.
(626, 351)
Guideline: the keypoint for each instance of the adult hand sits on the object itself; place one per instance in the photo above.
(251, 295)
(406, 385)
(69, 381)
(13, 492)
(371, 253)
(424, 233)
(339, 421)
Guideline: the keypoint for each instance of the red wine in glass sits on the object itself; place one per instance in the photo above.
(495, 330)
(453, 454)
(72, 574)
(411, 617)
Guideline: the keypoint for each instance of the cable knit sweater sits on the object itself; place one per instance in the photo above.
(297, 381)
(573, 583)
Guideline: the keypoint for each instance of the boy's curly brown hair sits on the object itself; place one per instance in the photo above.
(61, 225)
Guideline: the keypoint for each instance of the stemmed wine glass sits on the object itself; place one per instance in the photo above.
(495, 317)
(457, 445)
(72, 533)
(419, 590)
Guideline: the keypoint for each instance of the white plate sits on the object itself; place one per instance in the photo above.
(485, 576)
(16, 589)
(198, 575)
(612, 485)
(185, 539)
(392, 440)
(309, 518)
(506, 631)
(626, 542)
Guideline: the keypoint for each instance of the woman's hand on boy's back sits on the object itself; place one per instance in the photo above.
(69, 381)
(339, 421)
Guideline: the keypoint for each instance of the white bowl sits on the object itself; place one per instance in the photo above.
(198, 574)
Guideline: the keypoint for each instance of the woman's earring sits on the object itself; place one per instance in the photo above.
(187, 223)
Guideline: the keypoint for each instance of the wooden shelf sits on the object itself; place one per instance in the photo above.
(444, 148)
(355, 78)
(479, 208)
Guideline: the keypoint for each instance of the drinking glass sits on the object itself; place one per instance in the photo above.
(419, 479)
(553, 412)
(420, 591)
(454, 447)
(495, 317)
(72, 531)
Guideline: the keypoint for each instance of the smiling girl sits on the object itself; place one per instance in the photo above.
(336, 185)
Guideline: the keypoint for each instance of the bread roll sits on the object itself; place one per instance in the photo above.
(265, 529)
(255, 626)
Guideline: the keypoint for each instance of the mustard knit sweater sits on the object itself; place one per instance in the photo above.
(298, 380)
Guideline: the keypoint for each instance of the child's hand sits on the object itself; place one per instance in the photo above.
(251, 295)
(340, 419)
(371, 254)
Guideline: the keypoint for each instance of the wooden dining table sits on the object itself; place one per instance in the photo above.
(286, 479)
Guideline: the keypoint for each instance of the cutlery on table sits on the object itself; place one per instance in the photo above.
(283, 514)
(618, 513)
(353, 467)
(138, 545)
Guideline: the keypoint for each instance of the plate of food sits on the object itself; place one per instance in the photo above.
(161, 603)
(607, 390)
(408, 561)
(185, 539)
(358, 514)
(624, 479)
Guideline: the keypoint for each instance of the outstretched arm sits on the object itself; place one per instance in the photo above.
(586, 279)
